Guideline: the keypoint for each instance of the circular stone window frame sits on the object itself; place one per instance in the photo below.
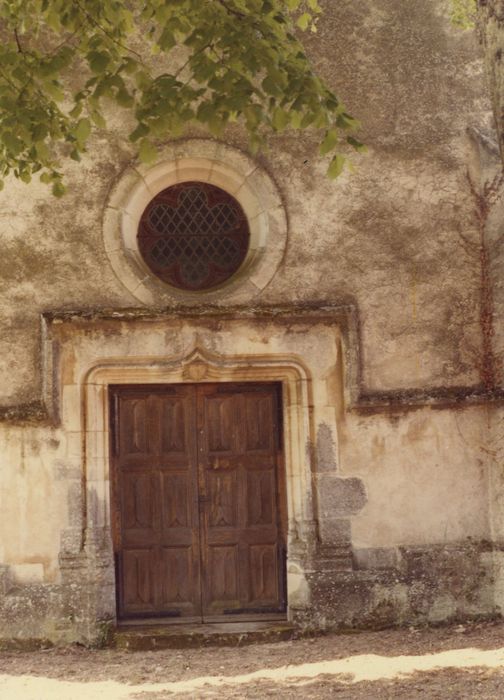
(197, 160)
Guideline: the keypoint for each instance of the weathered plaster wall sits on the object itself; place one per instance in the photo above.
(387, 236)
(426, 476)
(33, 501)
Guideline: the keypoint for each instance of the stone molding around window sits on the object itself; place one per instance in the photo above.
(207, 161)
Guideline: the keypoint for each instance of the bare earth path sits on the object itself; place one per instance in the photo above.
(459, 662)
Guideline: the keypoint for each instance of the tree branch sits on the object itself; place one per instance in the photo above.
(231, 10)
(65, 41)
(18, 42)
(197, 53)
(92, 20)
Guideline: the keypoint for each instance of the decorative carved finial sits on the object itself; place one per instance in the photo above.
(196, 369)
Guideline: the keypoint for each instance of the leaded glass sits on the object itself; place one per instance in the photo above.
(193, 235)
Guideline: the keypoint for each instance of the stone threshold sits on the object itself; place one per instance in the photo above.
(156, 636)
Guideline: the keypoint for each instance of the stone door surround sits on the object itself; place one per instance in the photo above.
(303, 352)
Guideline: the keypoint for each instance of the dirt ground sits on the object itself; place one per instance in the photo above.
(463, 661)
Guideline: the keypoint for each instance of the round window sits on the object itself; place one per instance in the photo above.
(193, 235)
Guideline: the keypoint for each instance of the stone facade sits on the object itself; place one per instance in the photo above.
(376, 301)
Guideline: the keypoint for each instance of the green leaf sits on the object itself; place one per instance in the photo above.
(296, 118)
(167, 40)
(58, 189)
(12, 142)
(76, 111)
(303, 21)
(40, 132)
(329, 142)
(42, 151)
(359, 147)
(54, 90)
(82, 130)
(140, 131)
(123, 98)
(98, 61)
(464, 13)
(345, 121)
(53, 20)
(130, 66)
(253, 115)
(280, 119)
(146, 152)
(336, 166)
(98, 119)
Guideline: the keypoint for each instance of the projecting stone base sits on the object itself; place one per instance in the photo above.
(404, 586)
(80, 609)
(369, 588)
(42, 615)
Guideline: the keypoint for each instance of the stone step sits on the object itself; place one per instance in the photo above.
(179, 636)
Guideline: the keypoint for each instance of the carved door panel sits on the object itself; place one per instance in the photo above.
(196, 500)
(155, 495)
(241, 533)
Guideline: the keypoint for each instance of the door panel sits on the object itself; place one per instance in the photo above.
(261, 498)
(259, 423)
(138, 580)
(175, 425)
(134, 426)
(176, 571)
(241, 528)
(156, 533)
(176, 499)
(220, 425)
(139, 506)
(222, 504)
(263, 574)
(223, 579)
(197, 500)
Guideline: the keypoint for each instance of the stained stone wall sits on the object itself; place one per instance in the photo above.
(383, 290)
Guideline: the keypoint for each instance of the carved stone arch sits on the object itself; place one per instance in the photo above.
(199, 365)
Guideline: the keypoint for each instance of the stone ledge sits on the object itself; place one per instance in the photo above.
(344, 313)
(228, 634)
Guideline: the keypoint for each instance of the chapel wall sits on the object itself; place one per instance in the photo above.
(434, 489)
(402, 526)
(404, 537)
(396, 237)
(409, 489)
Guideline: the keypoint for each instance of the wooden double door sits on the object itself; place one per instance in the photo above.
(198, 503)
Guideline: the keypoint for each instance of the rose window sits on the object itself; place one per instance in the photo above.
(193, 236)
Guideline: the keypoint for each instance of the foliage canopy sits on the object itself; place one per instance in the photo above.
(65, 64)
